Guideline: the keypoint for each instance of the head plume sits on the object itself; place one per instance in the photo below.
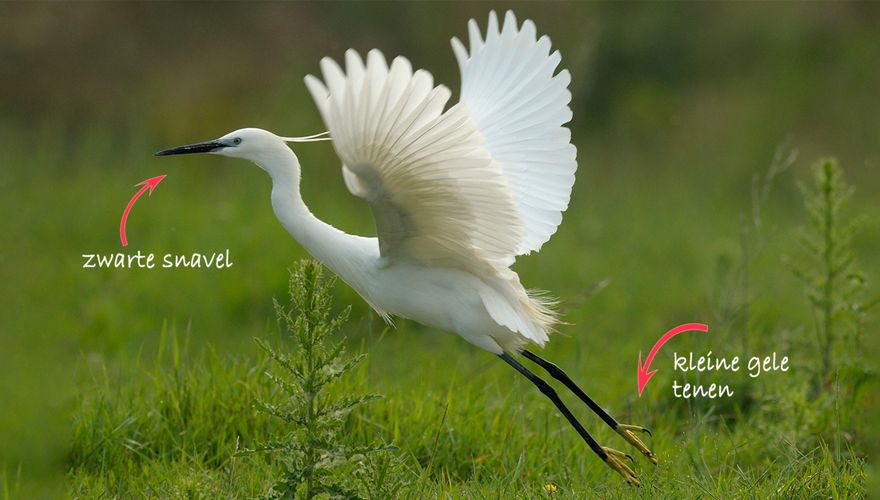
(323, 136)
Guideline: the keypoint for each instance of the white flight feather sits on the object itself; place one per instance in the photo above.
(435, 192)
(520, 107)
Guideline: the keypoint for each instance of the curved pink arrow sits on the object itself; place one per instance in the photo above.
(643, 374)
(150, 184)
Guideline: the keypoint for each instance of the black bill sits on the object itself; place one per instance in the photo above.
(202, 147)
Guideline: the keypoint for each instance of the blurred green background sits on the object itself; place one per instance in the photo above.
(676, 108)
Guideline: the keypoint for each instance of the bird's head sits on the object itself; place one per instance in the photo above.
(257, 145)
(247, 143)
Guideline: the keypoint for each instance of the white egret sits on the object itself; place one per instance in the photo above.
(457, 193)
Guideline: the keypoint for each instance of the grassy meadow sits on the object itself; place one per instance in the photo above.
(143, 383)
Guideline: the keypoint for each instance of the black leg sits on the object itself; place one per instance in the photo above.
(612, 458)
(627, 431)
(548, 391)
(563, 377)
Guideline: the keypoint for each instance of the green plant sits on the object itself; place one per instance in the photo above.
(318, 460)
(834, 284)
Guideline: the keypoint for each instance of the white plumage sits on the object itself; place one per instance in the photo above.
(469, 187)
(520, 107)
(457, 193)
(436, 194)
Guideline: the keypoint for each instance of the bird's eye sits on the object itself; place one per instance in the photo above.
(236, 141)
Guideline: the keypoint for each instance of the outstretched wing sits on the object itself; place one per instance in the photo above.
(520, 107)
(435, 192)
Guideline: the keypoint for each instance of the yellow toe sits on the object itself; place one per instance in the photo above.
(616, 460)
(628, 432)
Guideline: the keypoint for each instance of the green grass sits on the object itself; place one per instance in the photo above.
(174, 429)
(141, 383)
(172, 433)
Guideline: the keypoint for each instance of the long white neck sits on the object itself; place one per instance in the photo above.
(344, 254)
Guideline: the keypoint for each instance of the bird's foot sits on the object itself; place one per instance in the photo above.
(628, 432)
(615, 460)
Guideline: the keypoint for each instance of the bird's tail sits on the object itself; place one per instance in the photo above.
(542, 309)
